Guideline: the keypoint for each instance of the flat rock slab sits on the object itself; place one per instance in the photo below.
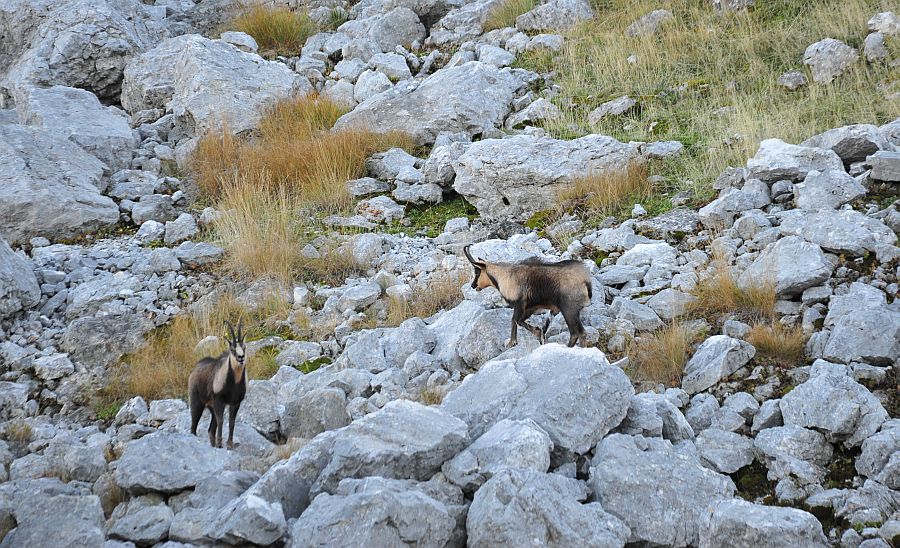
(790, 264)
(776, 160)
(843, 231)
(168, 462)
(718, 357)
(18, 285)
(738, 523)
(571, 393)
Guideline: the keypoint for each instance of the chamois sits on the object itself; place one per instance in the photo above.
(217, 382)
(532, 286)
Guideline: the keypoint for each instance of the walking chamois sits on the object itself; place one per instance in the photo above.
(217, 382)
(532, 286)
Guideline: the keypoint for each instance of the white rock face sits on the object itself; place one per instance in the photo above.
(78, 115)
(78, 43)
(715, 359)
(470, 98)
(207, 83)
(843, 231)
(49, 187)
(518, 176)
(737, 523)
(556, 15)
(828, 190)
(18, 284)
(776, 160)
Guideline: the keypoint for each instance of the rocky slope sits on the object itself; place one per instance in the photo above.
(533, 445)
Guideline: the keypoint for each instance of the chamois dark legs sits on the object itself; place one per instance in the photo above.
(519, 318)
(232, 414)
(196, 413)
(212, 427)
(219, 413)
(573, 322)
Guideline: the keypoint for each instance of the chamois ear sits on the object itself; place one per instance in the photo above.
(476, 264)
(240, 331)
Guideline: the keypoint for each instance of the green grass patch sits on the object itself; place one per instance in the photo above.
(311, 365)
(429, 220)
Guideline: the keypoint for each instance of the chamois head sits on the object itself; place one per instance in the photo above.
(481, 280)
(236, 345)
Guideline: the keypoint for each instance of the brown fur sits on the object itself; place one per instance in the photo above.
(216, 383)
(533, 286)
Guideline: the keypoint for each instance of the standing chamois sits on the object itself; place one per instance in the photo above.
(217, 382)
(532, 286)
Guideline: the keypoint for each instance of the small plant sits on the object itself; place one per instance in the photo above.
(430, 396)
(660, 356)
(107, 412)
(311, 365)
(277, 31)
(504, 14)
(721, 294)
(784, 346)
(18, 432)
(607, 192)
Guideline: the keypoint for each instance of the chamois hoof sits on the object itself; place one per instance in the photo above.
(511, 343)
(230, 445)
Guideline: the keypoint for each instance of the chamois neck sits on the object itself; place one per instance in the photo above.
(236, 367)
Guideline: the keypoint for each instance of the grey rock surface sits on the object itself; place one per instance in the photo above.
(18, 285)
(737, 523)
(715, 359)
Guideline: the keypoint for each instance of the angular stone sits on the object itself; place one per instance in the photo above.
(573, 394)
(648, 24)
(616, 107)
(880, 456)
(143, 520)
(556, 15)
(168, 462)
(659, 493)
(507, 444)
(885, 166)
(18, 285)
(103, 340)
(518, 176)
(832, 402)
(725, 452)
(791, 264)
(828, 59)
(314, 412)
(843, 231)
(49, 187)
(718, 357)
(738, 523)
(870, 335)
(471, 98)
(828, 190)
(852, 143)
(530, 508)
(776, 160)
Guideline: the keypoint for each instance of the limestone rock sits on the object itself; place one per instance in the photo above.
(718, 357)
(737, 523)
(791, 264)
(18, 285)
(828, 59)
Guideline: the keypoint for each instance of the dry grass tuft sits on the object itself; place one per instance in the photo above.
(161, 369)
(439, 294)
(277, 30)
(720, 294)
(504, 14)
(608, 192)
(783, 345)
(274, 186)
(430, 396)
(703, 61)
(660, 356)
(18, 432)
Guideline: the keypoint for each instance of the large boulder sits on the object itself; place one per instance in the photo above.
(880, 456)
(529, 508)
(208, 83)
(835, 404)
(403, 440)
(18, 285)
(49, 187)
(721, 212)
(738, 523)
(843, 231)
(827, 190)
(78, 115)
(776, 160)
(791, 264)
(573, 394)
(103, 340)
(555, 15)
(169, 462)
(870, 335)
(47, 512)
(852, 143)
(461, 23)
(520, 175)
(471, 98)
(508, 444)
(659, 492)
(718, 357)
(78, 43)
(374, 512)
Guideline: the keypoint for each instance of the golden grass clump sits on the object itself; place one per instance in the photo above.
(504, 14)
(18, 432)
(608, 192)
(161, 368)
(442, 293)
(277, 30)
(660, 356)
(721, 294)
(709, 79)
(785, 346)
(272, 187)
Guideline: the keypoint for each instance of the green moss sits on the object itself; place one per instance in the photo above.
(311, 365)
(841, 470)
(599, 256)
(753, 484)
(540, 220)
(858, 527)
(429, 220)
(107, 412)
